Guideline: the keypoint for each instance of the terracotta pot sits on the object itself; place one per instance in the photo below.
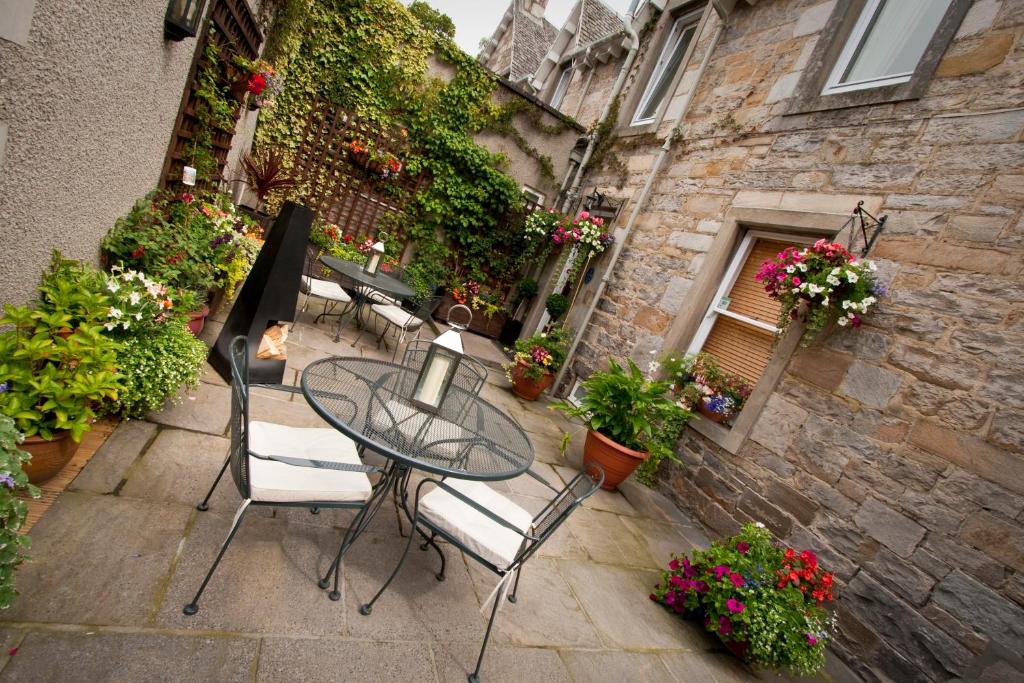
(48, 456)
(712, 415)
(740, 648)
(617, 461)
(197, 320)
(240, 87)
(526, 388)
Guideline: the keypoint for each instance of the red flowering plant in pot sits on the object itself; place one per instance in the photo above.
(535, 360)
(766, 603)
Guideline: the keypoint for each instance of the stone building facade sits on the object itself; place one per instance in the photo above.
(895, 450)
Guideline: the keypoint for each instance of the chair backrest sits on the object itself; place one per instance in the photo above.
(239, 454)
(470, 375)
(547, 521)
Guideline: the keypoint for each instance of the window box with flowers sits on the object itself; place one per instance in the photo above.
(704, 387)
(768, 605)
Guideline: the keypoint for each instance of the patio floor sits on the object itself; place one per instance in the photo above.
(123, 548)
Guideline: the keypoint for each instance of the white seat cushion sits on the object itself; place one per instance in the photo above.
(277, 482)
(397, 315)
(473, 529)
(419, 428)
(324, 289)
(378, 297)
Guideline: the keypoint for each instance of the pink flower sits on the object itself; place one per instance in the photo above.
(584, 215)
(724, 626)
(674, 565)
(735, 606)
(737, 580)
(811, 640)
(796, 281)
(720, 571)
(742, 548)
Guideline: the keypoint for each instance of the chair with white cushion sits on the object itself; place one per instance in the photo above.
(374, 296)
(491, 529)
(282, 466)
(404, 320)
(330, 290)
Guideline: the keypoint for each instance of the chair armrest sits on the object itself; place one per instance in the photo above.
(319, 464)
(542, 480)
(277, 387)
(473, 504)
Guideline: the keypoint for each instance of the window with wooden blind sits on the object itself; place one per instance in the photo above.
(739, 327)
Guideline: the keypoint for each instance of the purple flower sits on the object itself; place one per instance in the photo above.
(879, 290)
(700, 587)
(7, 480)
(735, 606)
(3, 387)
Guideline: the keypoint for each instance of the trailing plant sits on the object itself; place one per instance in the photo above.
(215, 110)
(769, 601)
(155, 366)
(13, 482)
(541, 354)
(630, 409)
(819, 285)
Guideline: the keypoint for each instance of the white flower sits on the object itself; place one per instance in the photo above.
(134, 297)
(114, 313)
(109, 326)
(846, 305)
(832, 280)
(843, 322)
(125, 325)
(836, 270)
(824, 301)
(138, 316)
(759, 525)
(543, 335)
(113, 286)
(790, 269)
(653, 367)
(868, 300)
(851, 276)
(802, 267)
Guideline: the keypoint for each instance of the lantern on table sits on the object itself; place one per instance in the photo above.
(373, 262)
(439, 367)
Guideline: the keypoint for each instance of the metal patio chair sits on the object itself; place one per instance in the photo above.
(326, 288)
(404, 320)
(373, 296)
(490, 528)
(281, 466)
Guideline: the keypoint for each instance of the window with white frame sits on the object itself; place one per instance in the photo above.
(886, 44)
(740, 324)
(534, 196)
(561, 87)
(665, 69)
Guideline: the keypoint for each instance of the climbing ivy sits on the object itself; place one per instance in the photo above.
(371, 58)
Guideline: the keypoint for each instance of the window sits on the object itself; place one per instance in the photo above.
(739, 327)
(886, 44)
(678, 40)
(563, 85)
(533, 196)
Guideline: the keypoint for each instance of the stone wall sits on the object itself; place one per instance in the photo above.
(89, 100)
(896, 451)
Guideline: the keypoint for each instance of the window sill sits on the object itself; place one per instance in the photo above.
(726, 437)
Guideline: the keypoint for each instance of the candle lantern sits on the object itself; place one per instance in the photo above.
(182, 19)
(373, 262)
(439, 367)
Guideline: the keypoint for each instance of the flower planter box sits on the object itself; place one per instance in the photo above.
(488, 327)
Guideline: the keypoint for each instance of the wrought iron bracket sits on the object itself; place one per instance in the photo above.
(867, 226)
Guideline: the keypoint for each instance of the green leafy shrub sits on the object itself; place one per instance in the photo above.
(767, 599)
(155, 366)
(557, 304)
(12, 509)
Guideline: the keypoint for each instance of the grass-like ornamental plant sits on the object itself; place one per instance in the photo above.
(819, 284)
(13, 481)
(766, 602)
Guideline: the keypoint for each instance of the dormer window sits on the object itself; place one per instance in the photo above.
(664, 71)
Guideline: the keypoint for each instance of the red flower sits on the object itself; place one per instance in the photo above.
(257, 84)
(138, 252)
(186, 197)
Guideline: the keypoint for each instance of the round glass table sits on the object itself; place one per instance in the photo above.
(362, 284)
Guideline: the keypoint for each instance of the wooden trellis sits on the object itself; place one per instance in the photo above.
(337, 184)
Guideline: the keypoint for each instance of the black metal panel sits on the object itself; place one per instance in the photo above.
(269, 295)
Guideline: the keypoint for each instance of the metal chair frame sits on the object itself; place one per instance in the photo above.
(238, 461)
(311, 268)
(422, 312)
(548, 520)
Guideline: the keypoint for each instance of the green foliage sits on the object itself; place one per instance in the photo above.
(424, 276)
(630, 409)
(662, 448)
(526, 289)
(556, 304)
(749, 590)
(12, 509)
(433, 21)
(54, 381)
(215, 111)
(540, 354)
(155, 366)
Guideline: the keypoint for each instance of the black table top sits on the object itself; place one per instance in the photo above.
(369, 401)
(380, 281)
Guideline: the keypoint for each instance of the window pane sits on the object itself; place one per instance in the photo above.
(895, 40)
(563, 85)
(661, 79)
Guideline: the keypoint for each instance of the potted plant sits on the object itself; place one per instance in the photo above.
(705, 387)
(627, 414)
(556, 305)
(52, 383)
(257, 78)
(820, 285)
(13, 482)
(766, 603)
(266, 172)
(535, 360)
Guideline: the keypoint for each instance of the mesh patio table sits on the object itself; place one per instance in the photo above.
(363, 283)
(370, 401)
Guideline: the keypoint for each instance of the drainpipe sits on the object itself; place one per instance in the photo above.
(623, 234)
(634, 45)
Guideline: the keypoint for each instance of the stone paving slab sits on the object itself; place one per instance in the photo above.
(48, 656)
(294, 659)
(266, 582)
(591, 665)
(98, 560)
(661, 540)
(718, 667)
(502, 664)
(110, 464)
(616, 600)
(607, 539)
(206, 409)
(179, 467)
